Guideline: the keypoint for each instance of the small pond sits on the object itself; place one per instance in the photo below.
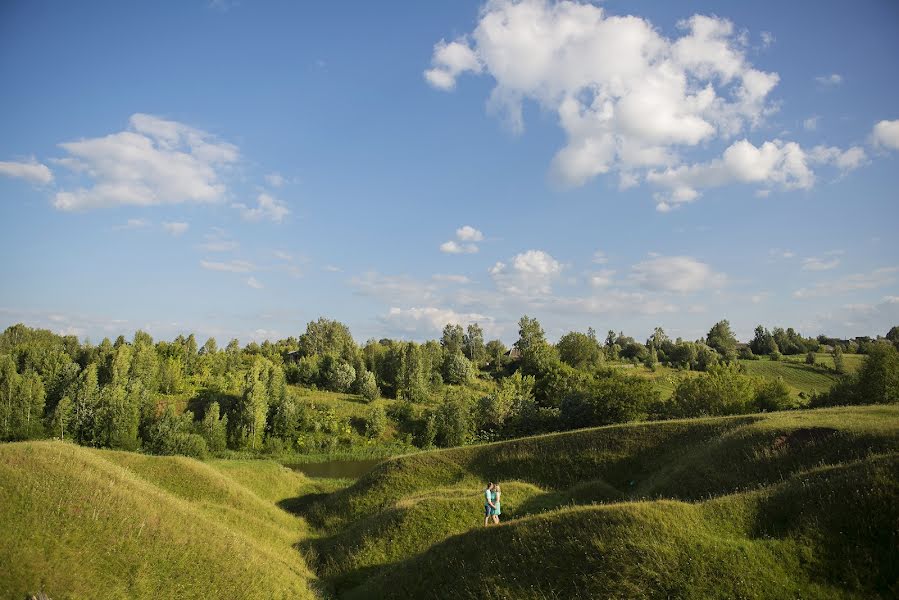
(336, 469)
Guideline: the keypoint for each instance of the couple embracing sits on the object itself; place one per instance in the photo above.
(491, 503)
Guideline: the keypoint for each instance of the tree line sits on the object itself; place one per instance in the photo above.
(181, 398)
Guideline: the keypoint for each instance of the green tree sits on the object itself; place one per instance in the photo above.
(368, 386)
(763, 342)
(325, 336)
(838, 363)
(411, 384)
(214, 428)
(86, 398)
(62, 417)
(171, 375)
(723, 390)
(721, 339)
(375, 422)
(338, 376)
(579, 350)
(453, 421)
(473, 345)
(452, 339)
(530, 335)
(457, 369)
(606, 400)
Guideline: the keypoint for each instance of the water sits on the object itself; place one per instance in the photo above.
(336, 469)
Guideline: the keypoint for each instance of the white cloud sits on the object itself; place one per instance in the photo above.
(600, 258)
(626, 96)
(528, 273)
(453, 247)
(444, 278)
(449, 60)
(886, 134)
(845, 160)
(395, 289)
(32, 171)
(175, 228)
(859, 281)
(811, 123)
(132, 224)
(832, 79)
(275, 180)
(282, 255)
(681, 274)
(778, 253)
(858, 319)
(254, 283)
(233, 266)
(601, 278)
(218, 241)
(773, 163)
(819, 264)
(332, 269)
(266, 207)
(767, 39)
(467, 233)
(429, 319)
(155, 161)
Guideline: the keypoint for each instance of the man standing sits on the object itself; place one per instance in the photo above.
(488, 503)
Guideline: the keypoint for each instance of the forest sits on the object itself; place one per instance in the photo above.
(178, 397)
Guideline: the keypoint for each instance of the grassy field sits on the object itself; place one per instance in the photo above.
(82, 523)
(784, 504)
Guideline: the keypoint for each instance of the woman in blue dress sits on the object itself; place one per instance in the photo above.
(496, 507)
(488, 503)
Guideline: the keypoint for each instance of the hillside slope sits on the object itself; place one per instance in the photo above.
(82, 523)
(675, 497)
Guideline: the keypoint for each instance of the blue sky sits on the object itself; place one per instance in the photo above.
(238, 169)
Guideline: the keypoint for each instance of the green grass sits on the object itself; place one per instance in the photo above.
(798, 376)
(686, 508)
(82, 523)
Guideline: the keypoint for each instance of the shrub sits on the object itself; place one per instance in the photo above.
(723, 390)
(338, 375)
(376, 422)
(457, 369)
(776, 355)
(368, 387)
(773, 394)
(606, 400)
(876, 382)
(746, 353)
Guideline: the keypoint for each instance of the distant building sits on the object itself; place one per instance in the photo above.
(514, 353)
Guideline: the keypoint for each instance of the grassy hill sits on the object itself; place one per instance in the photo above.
(82, 523)
(773, 505)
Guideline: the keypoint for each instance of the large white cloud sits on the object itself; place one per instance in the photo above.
(886, 134)
(32, 171)
(155, 161)
(626, 96)
(681, 274)
(527, 274)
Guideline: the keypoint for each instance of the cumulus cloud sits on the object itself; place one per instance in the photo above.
(600, 258)
(254, 283)
(680, 274)
(886, 135)
(454, 247)
(602, 278)
(811, 123)
(233, 266)
(627, 97)
(267, 208)
(175, 228)
(155, 161)
(527, 274)
(845, 160)
(31, 170)
(467, 233)
(850, 283)
(430, 319)
(466, 236)
(830, 80)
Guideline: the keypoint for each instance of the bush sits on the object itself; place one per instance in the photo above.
(457, 369)
(453, 422)
(876, 382)
(773, 394)
(606, 400)
(746, 353)
(723, 390)
(338, 375)
(376, 422)
(810, 358)
(368, 387)
(776, 355)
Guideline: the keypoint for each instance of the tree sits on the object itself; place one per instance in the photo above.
(496, 357)
(375, 422)
(325, 336)
(62, 416)
(763, 342)
(214, 428)
(368, 386)
(171, 375)
(579, 350)
(893, 336)
(411, 384)
(530, 335)
(252, 408)
(338, 376)
(721, 339)
(838, 364)
(86, 398)
(773, 394)
(810, 358)
(457, 369)
(606, 400)
(723, 390)
(473, 345)
(453, 421)
(452, 339)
